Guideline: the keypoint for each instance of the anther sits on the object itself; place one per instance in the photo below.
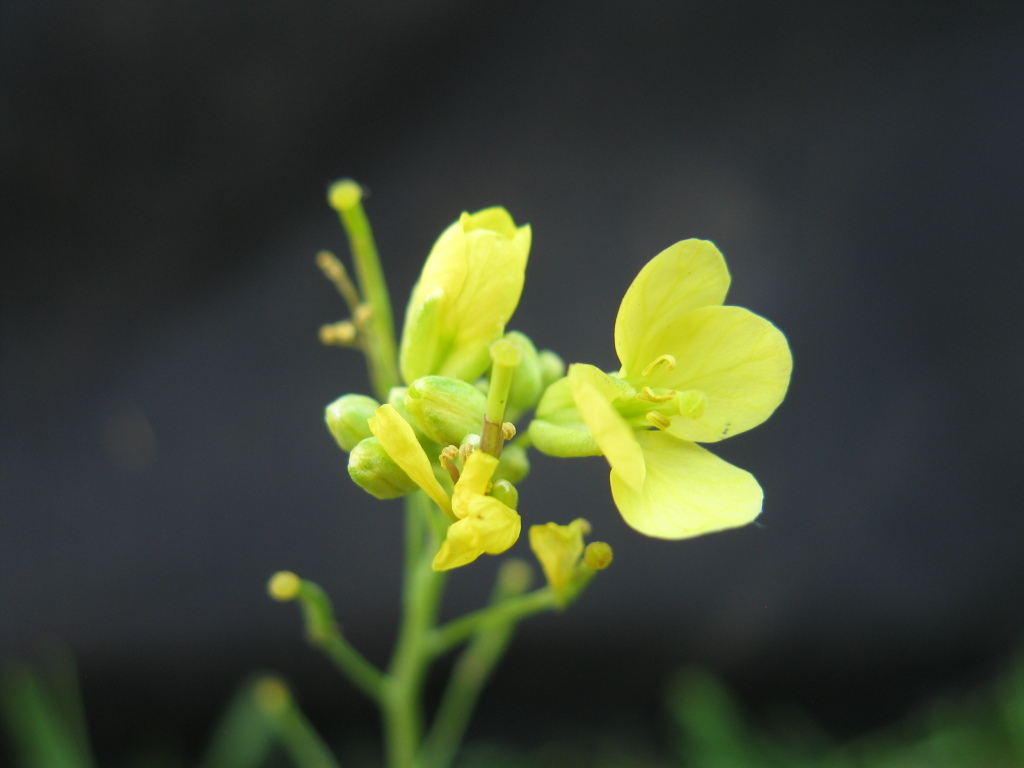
(447, 459)
(464, 450)
(335, 271)
(659, 420)
(667, 360)
(508, 430)
(341, 334)
(647, 395)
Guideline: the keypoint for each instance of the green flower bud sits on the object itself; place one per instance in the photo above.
(527, 381)
(376, 472)
(514, 464)
(552, 367)
(506, 493)
(445, 409)
(598, 555)
(346, 418)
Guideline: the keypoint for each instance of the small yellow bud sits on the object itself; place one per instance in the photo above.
(284, 586)
(271, 695)
(514, 576)
(598, 555)
(347, 419)
(558, 548)
(344, 194)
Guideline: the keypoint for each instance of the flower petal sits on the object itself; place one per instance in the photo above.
(468, 290)
(593, 391)
(398, 439)
(488, 527)
(683, 277)
(688, 491)
(739, 360)
(473, 482)
(558, 548)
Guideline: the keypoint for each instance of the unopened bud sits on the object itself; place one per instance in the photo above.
(598, 555)
(284, 586)
(376, 472)
(340, 334)
(506, 493)
(552, 367)
(445, 409)
(527, 381)
(346, 418)
(513, 465)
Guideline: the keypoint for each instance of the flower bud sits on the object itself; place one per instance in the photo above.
(445, 409)
(552, 367)
(376, 472)
(527, 381)
(514, 464)
(346, 418)
(469, 287)
(598, 555)
(506, 493)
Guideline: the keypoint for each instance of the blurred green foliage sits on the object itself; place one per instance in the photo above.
(262, 727)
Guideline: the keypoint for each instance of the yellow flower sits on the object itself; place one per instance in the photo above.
(481, 523)
(559, 549)
(692, 371)
(468, 290)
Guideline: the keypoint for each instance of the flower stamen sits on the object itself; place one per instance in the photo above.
(447, 459)
(667, 360)
(648, 395)
(659, 420)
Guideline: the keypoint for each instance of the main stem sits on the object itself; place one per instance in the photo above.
(401, 699)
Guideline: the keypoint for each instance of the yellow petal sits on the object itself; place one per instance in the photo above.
(683, 277)
(474, 275)
(398, 439)
(688, 491)
(473, 482)
(593, 391)
(488, 527)
(558, 548)
(738, 360)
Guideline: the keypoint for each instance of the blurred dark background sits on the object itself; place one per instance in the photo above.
(162, 171)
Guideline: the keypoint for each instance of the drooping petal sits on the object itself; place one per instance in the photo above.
(738, 360)
(488, 527)
(687, 491)
(558, 548)
(594, 391)
(476, 474)
(398, 439)
(683, 277)
(468, 290)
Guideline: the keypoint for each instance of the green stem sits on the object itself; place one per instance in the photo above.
(472, 671)
(447, 636)
(295, 733)
(401, 700)
(345, 197)
(506, 356)
(323, 632)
